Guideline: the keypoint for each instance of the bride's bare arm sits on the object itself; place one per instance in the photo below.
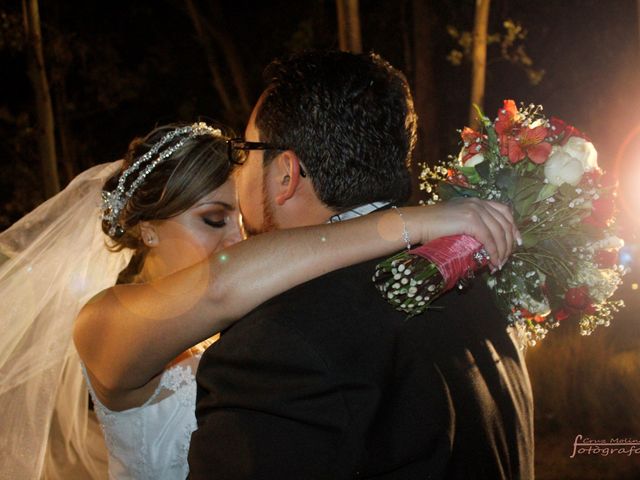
(127, 334)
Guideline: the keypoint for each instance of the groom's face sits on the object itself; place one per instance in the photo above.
(255, 200)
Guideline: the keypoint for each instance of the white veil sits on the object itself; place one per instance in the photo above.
(52, 261)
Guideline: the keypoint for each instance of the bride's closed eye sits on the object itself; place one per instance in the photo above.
(215, 214)
(216, 222)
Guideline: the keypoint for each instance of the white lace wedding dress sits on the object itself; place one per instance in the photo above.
(151, 442)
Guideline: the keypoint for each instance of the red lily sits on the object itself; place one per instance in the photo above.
(507, 118)
(529, 142)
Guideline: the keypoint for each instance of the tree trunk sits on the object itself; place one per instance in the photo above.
(67, 151)
(44, 111)
(232, 57)
(424, 90)
(349, 26)
(216, 75)
(235, 67)
(479, 59)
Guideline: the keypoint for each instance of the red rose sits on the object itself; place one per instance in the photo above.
(577, 300)
(601, 211)
(590, 178)
(473, 143)
(606, 258)
(608, 180)
(561, 129)
(561, 314)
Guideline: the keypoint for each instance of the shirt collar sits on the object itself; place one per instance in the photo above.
(358, 211)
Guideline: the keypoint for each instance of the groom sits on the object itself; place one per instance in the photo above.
(328, 381)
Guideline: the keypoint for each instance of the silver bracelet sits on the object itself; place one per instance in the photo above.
(405, 232)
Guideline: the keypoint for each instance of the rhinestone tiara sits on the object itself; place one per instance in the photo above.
(114, 202)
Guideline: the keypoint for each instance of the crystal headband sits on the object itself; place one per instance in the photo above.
(114, 202)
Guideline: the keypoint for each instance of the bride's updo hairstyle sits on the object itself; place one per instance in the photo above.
(163, 175)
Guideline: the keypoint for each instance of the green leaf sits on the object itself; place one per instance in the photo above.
(529, 240)
(481, 116)
(506, 181)
(448, 191)
(523, 204)
(483, 169)
(470, 173)
(546, 191)
(492, 137)
(525, 187)
(566, 190)
(526, 192)
(531, 166)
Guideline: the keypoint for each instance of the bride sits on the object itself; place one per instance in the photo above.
(172, 276)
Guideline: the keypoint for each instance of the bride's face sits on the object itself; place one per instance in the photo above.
(209, 225)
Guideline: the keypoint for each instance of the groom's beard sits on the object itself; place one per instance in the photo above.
(268, 221)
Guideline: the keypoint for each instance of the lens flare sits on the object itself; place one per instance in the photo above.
(627, 171)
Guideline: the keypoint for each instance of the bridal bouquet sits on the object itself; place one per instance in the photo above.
(563, 204)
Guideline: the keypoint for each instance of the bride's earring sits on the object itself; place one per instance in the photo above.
(148, 235)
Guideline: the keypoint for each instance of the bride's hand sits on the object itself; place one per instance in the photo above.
(491, 223)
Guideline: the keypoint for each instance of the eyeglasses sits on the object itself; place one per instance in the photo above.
(241, 144)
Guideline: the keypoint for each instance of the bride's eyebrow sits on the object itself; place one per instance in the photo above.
(225, 205)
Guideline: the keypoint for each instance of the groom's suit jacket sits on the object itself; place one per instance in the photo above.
(328, 381)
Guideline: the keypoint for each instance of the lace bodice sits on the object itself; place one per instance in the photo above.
(151, 442)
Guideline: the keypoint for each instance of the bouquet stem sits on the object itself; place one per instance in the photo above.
(411, 280)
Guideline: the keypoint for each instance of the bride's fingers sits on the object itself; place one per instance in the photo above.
(500, 224)
(491, 223)
(508, 214)
(500, 240)
(504, 234)
(489, 231)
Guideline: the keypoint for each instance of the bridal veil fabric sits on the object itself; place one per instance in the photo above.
(52, 262)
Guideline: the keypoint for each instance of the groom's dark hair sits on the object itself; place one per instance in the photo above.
(349, 118)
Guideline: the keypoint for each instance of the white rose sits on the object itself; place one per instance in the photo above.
(582, 150)
(475, 160)
(561, 168)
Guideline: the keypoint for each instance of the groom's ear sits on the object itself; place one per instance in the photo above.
(288, 176)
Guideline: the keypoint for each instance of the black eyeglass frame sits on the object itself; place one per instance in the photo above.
(240, 143)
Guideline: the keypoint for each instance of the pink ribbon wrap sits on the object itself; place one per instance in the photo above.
(454, 256)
